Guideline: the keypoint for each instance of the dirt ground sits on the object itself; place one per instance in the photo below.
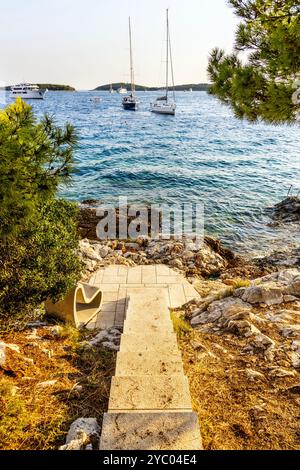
(35, 415)
(235, 412)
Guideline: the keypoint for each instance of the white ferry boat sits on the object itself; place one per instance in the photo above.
(27, 91)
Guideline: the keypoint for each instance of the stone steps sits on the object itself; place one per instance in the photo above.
(150, 431)
(150, 392)
(161, 344)
(150, 405)
(131, 363)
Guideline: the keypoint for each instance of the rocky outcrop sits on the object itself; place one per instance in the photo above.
(264, 316)
(287, 210)
(184, 255)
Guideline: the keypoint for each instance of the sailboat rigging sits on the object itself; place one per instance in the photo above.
(131, 101)
(164, 105)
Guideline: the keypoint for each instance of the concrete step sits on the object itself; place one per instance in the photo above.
(150, 431)
(157, 343)
(146, 327)
(143, 302)
(131, 364)
(149, 393)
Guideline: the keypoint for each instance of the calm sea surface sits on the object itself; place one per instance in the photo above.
(203, 154)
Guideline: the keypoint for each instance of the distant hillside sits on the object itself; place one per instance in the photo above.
(49, 86)
(195, 87)
(53, 87)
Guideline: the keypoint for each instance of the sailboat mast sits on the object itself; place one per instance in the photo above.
(167, 68)
(131, 60)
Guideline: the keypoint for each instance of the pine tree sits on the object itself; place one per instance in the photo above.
(38, 232)
(260, 79)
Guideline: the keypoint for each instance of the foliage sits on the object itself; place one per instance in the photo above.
(38, 233)
(181, 326)
(258, 80)
(34, 159)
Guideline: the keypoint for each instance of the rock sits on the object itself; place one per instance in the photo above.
(83, 431)
(176, 263)
(33, 335)
(287, 210)
(12, 347)
(90, 265)
(289, 298)
(295, 359)
(290, 331)
(280, 372)
(296, 345)
(262, 341)
(243, 328)
(216, 310)
(2, 354)
(254, 375)
(36, 324)
(78, 443)
(111, 346)
(267, 293)
(55, 331)
(48, 383)
(102, 251)
(132, 246)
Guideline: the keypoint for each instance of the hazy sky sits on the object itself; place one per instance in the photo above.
(84, 43)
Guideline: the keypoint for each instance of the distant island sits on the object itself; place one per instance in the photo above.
(195, 87)
(48, 86)
(53, 87)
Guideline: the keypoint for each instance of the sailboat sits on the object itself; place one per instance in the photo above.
(111, 90)
(131, 102)
(164, 105)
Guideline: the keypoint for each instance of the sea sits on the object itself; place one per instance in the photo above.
(203, 155)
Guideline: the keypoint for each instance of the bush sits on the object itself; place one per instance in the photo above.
(38, 233)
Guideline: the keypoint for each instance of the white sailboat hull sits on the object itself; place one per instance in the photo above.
(159, 108)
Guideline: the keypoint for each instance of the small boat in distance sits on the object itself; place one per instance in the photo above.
(164, 105)
(191, 90)
(122, 90)
(27, 92)
(131, 101)
(111, 90)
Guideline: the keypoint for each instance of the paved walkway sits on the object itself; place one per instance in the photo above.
(150, 405)
(117, 282)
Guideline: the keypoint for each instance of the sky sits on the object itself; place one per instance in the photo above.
(84, 43)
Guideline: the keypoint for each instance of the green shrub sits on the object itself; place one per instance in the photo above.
(38, 233)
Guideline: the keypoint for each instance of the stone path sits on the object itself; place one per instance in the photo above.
(117, 282)
(150, 405)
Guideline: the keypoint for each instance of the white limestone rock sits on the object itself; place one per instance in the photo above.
(83, 431)
(267, 293)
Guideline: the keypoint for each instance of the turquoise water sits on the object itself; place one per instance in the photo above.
(203, 154)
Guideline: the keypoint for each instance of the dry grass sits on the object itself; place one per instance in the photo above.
(236, 413)
(37, 418)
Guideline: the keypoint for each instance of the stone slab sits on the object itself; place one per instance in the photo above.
(150, 431)
(131, 364)
(141, 343)
(149, 393)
